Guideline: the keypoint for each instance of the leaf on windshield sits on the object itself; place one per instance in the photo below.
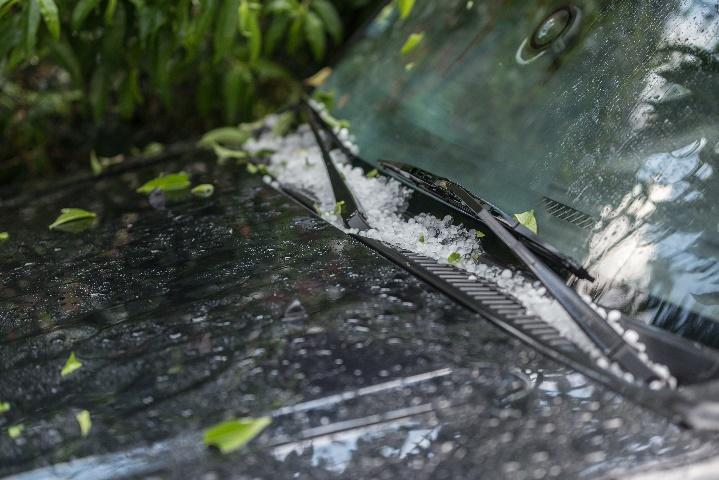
(15, 431)
(372, 173)
(4, 407)
(204, 190)
(318, 78)
(528, 220)
(454, 257)
(233, 434)
(411, 43)
(83, 419)
(4, 237)
(71, 365)
(339, 207)
(167, 183)
(68, 215)
(405, 7)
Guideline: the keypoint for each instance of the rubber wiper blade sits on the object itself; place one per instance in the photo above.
(603, 335)
(428, 183)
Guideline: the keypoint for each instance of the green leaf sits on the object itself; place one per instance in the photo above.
(233, 434)
(167, 183)
(48, 8)
(404, 7)
(200, 26)
(315, 35)
(95, 164)
(4, 236)
(81, 11)
(71, 365)
(331, 19)
(454, 257)
(479, 234)
(232, 87)
(226, 135)
(411, 43)
(373, 173)
(225, 153)
(130, 94)
(226, 28)
(98, 93)
(528, 220)
(15, 431)
(279, 6)
(110, 11)
(275, 33)
(68, 215)
(243, 18)
(32, 22)
(255, 37)
(294, 37)
(339, 207)
(204, 190)
(83, 419)
(4, 407)
(421, 238)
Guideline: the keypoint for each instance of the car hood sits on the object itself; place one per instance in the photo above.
(244, 305)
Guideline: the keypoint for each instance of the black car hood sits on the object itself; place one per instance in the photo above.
(246, 305)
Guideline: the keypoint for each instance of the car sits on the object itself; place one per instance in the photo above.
(483, 248)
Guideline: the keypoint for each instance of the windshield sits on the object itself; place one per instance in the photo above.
(600, 116)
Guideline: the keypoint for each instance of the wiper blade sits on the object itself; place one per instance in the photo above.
(429, 184)
(603, 335)
(351, 213)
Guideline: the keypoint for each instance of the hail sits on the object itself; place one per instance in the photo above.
(297, 162)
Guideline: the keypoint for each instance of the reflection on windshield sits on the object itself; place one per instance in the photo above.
(601, 116)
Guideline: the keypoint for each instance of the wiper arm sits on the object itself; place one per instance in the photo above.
(603, 335)
(428, 183)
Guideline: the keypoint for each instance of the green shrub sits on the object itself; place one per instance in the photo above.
(69, 68)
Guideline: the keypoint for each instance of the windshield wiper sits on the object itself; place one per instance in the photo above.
(428, 183)
(603, 335)
(600, 333)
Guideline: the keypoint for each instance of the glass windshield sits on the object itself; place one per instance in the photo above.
(602, 116)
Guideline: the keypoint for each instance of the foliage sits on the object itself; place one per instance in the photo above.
(204, 190)
(192, 63)
(171, 182)
(71, 365)
(84, 421)
(528, 220)
(68, 215)
(233, 434)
